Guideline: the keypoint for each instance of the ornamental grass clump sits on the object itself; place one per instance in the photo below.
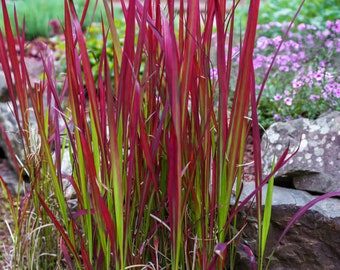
(152, 165)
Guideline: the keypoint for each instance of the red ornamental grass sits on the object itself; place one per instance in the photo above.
(153, 163)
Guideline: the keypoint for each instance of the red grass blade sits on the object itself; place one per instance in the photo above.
(174, 145)
(251, 256)
(67, 256)
(174, 197)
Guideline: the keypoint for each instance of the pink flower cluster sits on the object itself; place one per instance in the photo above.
(305, 73)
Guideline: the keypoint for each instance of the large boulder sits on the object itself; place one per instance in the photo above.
(10, 129)
(316, 165)
(10, 177)
(313, 242)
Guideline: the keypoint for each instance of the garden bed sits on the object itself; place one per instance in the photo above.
(154, 163)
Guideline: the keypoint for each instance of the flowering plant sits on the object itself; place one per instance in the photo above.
(304, 81)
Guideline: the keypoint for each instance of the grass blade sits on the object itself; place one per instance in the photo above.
(60, 229)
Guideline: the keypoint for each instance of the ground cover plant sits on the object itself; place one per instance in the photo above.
(306, 69)
(153, 158)
(307, 64)
(313, 12)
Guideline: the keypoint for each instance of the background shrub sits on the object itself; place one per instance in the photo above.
(38, 14)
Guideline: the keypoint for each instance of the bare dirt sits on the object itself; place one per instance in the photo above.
(6, 224)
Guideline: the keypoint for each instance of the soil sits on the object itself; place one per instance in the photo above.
(6, 242)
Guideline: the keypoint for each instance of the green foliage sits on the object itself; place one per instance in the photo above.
(94, 43)
(38, 14)
(309, 56)
(305, 80)
(313, 12)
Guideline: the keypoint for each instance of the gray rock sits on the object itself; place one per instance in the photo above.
(11, 130)
(3, 84)
(3, 87)
(66, 171)
(9, 176)
(320, 183)
(35, 68)
(4, 94)
(313, 242)
(318, 158)
(329, 208)
(10, 127)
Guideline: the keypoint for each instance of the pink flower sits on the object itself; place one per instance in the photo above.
(302, 55)
(284, 68)
(325, 95)
(297, 84)
(260, 61)
(314, 97)
(262, 43)
(318, 76)
(288, 101)
(56, 28)
(310, 38)
(305, 79)
(329, 44)
(336, 26)
(277, 117)
(326, 33)
(329, 87)
(301, 27)
(277, 40)
(329, 76)
(283, 60)
(277, 97)
(336, 92)
(329, 24)
(296, 66)
(213, 73)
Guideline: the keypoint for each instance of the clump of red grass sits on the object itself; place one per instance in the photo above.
(153, 163)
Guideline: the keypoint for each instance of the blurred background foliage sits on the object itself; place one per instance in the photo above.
(314, 12)
(38, 14)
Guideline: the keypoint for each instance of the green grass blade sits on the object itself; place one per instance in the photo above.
(266, 218)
